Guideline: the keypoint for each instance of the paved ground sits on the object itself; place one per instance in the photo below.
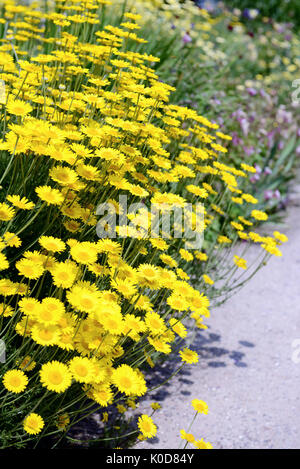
(247, 373)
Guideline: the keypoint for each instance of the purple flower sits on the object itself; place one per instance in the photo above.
(283, 116)
(267, 170)
(268, 195)
(244, 123)
(236, 140)
(250, 13)
(298, 150)
(249, 150)
(276, 194)
(254, 178)
(251, 91)
(258, 168)
(270, 137)
(215, 101)
(186, 38)
(262, 93)
(239, 114)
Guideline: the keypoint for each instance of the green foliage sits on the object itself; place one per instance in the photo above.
(279, 10)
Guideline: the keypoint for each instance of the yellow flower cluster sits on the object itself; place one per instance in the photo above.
(85, 121)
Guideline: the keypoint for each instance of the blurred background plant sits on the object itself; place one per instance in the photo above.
(240, 79)
(255, 10)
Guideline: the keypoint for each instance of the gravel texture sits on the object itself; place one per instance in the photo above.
(248, 371)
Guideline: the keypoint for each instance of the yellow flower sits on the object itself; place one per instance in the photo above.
(248, 168)
(109, 246)
(146, 426)
(15, 381)
(6, 310)
(187, 436)
(26, 364)
(188, 356)
(201, 444)
(198, 302)
(45, 334)
(280, 237)
(237, 200)
(6, 212)
(200, 406)
(201, 256)
(246, 222)
(50, 311)
(4, 264)
(84, 253)
(259, 215)
(131, 403)
(177, 302)
(29, 306)
(83, 298)
(197, 191)
(12, 240)
(178, 327)
(18, 107)
(249, 198)
(52, 244)
(224, 240)
(50, 195)
(72, 226)
(33, 424)
(148, 276)
(160, 345)
(55, 376)
(272, 249)
(242, 235)
(207, 279)
(88, 172)
(82, 369)
(133, 326)
(181, 274)
(168, 260)
(29, 268)
(237, 226)
(125, 287)
(240, 262)
(121, 409)
(128, 381)
(63, 175)
(102, 395)
(63, 421)
(155, 406)
(19, 202)
(186, 255)
(64, 274)
(159, 243)
(155, 323)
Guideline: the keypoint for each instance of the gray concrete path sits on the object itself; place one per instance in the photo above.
(247, 373)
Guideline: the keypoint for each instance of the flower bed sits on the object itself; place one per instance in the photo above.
(94, 152)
